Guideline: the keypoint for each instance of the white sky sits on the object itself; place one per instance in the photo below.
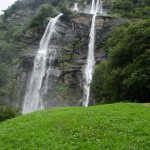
(5, 3)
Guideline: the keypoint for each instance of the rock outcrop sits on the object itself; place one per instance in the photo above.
(21, 16)
(65, 82)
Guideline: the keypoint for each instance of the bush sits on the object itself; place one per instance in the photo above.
(63, 9)
(131, 8)
(8, 113)
(122, 5)
(44, 11)
(99, 84)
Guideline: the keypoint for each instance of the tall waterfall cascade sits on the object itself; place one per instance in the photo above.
(95, 8)
(39, 76)
(75, 6)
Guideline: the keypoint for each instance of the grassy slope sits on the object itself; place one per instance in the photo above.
(107, 127)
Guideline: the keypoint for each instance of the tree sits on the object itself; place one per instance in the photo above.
(127, 73)
(99, 84)
(131, 8)
(44, 11)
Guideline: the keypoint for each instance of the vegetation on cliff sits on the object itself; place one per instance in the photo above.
(124, 77)
(11, 43)
(13, 40)
(114, 126)
(34, 4)
(126, 74)
(130, 8)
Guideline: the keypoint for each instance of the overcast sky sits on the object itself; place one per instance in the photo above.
(5, 3)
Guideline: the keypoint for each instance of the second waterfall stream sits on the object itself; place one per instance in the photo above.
(34, 92)
(95, 8)
(38, 82)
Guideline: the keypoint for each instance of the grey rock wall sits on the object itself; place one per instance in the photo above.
(65, 83)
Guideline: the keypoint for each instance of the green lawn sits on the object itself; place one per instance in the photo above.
(120, 126)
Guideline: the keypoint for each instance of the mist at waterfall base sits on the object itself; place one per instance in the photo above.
(35, 91)
(95, 8)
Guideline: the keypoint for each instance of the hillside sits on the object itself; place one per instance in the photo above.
(119, 126)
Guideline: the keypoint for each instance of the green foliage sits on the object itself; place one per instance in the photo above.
(66, 11)
(130, 8)
(44, 11)
(70, 51)
(126, 75)
(63, 91)
(14, 33)
(6, 52)
(7, 113)
(8, 61)
(11, 44)
(4, 78)
(65, 63)
(116, 127)
(21, 5)
(7, 77)
(126, 5)
(99, 86)
(30, 4)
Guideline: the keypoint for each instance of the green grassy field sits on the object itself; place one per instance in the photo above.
(120, 126)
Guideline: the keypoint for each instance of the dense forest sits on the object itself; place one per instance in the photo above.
(125, 76)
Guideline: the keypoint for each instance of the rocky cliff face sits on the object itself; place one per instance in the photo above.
(65, 82)
(21, 16)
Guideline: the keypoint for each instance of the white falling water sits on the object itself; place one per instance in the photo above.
(101, 6)
(75, 6)
(97, 6)
(90, 58)
(34, 93)
(93, 7)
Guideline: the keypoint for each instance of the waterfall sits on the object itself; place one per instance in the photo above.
(90, 59)
(90, 63)
(97, 6)
(101, 6)
(93, 7)
(34, 92)
(75, 6)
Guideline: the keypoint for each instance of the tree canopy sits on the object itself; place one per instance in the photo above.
(131, 8)
(126, 74)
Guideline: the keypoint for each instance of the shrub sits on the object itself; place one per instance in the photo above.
(44, 11)
(64, 10)
(8, 113)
